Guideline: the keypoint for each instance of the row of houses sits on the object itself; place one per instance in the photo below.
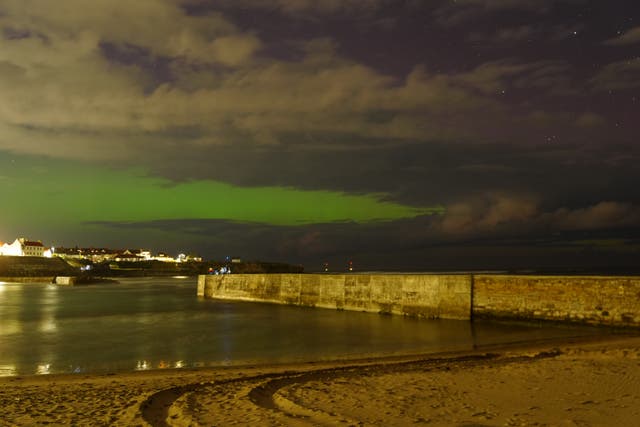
(97, 255)
(25, 247)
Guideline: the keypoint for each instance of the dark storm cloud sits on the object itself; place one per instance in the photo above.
(470, 235)
(440, 172)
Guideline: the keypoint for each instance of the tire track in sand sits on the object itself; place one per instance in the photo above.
(265, 393)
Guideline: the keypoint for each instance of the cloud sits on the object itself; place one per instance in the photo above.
(57, 81)
(630, 37)
(465, 237)
(188, 96)
(621, 75)
(101, 84)
(511, 35)
(491, 77)
(603, 215)
(503, 4)
(508, 36)
(296, 7)
(590, 120)
(553, 77)
(499, 215)
(457, 13)
(69, 86)
(328, 6)
(486, 214)
(549, 78)
(159, 25)
(463, 11)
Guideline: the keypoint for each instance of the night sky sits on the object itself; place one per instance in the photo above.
(411, 135)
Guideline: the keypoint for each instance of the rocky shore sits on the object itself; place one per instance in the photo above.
(34, 267)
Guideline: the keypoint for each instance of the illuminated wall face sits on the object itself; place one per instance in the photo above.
(13, 249)
(67, 194)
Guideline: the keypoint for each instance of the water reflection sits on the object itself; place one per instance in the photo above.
(159, 324)
(10, 300)
(142, 365)
(49, 303)
(8, 370)
(43, 369)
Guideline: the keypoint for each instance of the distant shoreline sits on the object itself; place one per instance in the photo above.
(18, 267)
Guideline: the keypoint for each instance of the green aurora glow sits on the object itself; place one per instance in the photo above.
(62, 193)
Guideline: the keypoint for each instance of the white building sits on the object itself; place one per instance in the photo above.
(130, 256)
(163, 257)
(13, 249)
(23, 247)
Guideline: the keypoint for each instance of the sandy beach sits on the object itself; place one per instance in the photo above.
(577, 383)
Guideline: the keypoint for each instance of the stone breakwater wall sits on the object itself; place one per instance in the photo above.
(598, 300)
(66, 280)
(419, 295)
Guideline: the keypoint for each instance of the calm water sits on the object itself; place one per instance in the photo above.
(160, 323)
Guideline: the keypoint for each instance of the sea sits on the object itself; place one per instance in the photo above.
(160, 323)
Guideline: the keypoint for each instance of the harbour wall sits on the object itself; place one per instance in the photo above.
(66, 280)
(419, 295)
(598, 300)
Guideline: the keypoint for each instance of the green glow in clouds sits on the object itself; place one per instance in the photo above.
(59, 192)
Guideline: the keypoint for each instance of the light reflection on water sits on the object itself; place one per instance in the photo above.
(8, 370)
(143, 324)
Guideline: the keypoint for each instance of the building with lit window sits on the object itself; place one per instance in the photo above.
(32, 248)
(23, 247)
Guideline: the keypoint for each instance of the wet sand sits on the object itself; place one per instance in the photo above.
(593, 382)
